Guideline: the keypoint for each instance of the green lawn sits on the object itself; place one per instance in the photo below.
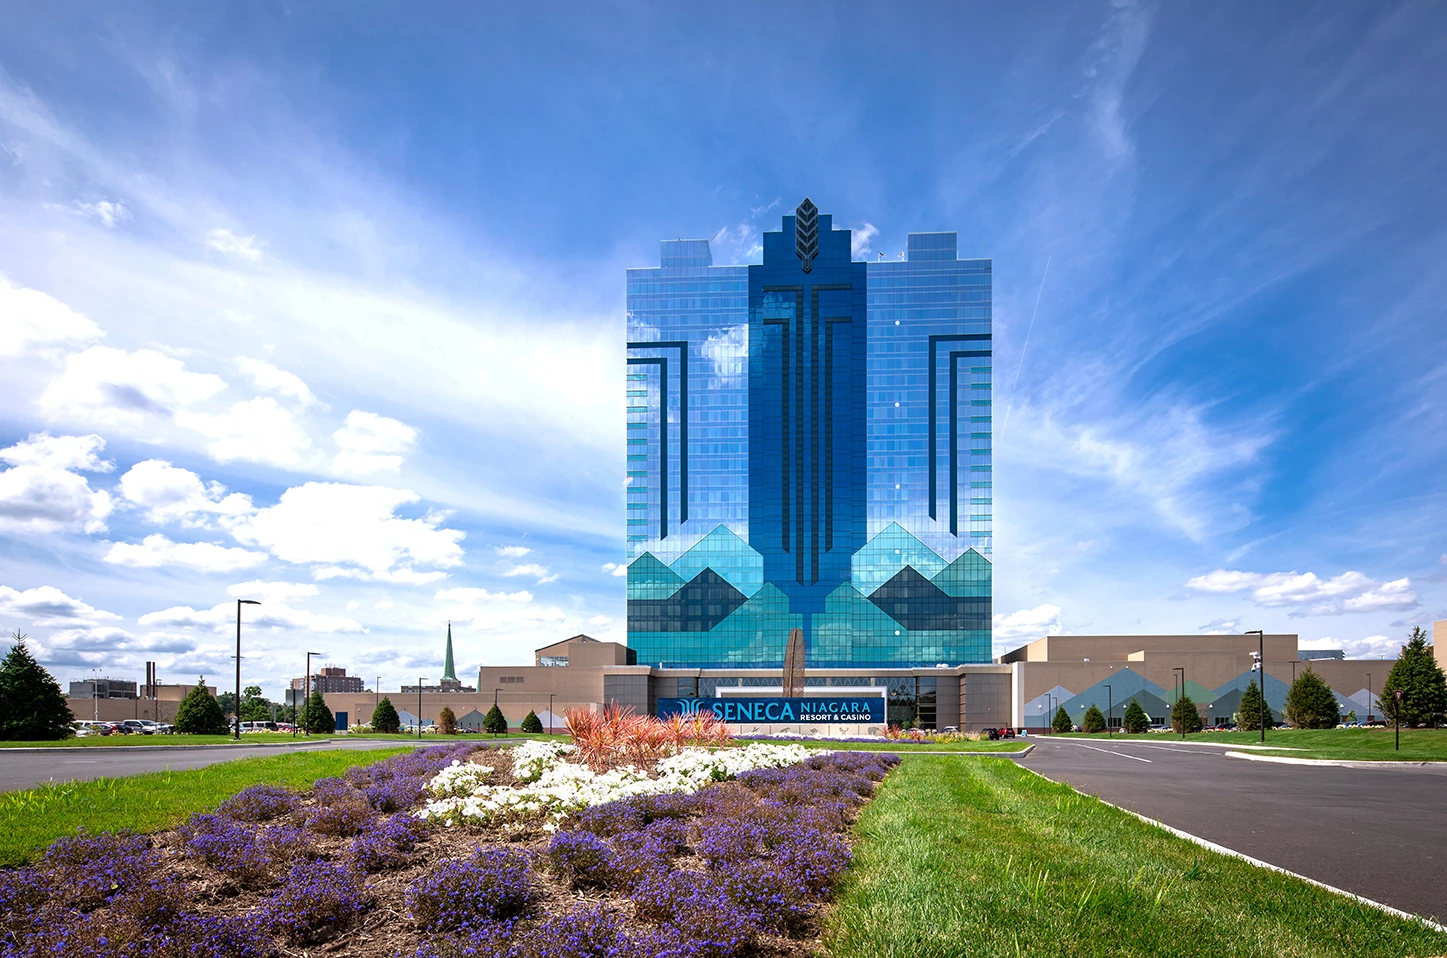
(33, 818)
(982, 859)
(1003, 745)
(1355, 744)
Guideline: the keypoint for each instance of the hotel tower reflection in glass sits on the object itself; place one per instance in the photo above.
(808, 446)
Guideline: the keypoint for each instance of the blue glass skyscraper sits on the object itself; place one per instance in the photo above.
(809, 447)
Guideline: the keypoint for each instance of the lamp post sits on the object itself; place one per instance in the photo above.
(1181, 669)
(95, 691)
(1397, 716)
(550, 712)
(1260, 656)
(1369, 698)
(239, 604)
(420, 682)
(377, 693)
(1109, 708)
(307, 693)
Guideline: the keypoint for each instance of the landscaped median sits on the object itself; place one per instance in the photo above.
(984, 858)
(1343, 744)
(633, 849)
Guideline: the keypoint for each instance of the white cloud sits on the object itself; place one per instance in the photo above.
(40, 493)
(1221, 627)
(472, 594)
(274, 616)
(156, 551)
(265, 376)
(105, 386)
(108, 213)
(59, 452)
(618, 569)
(1311, 594)
(48, 606)
(253, 430)
(405, 575)
(601, 620)
(225, 241)
(729, 353)
(369, 443)
(1367, 647)
(533, 569)
(35, 320)
(273, 591)
(861, 239)
(351, 527)
(171, 494)
(1028, 623)
(512, 552)
(482, 610)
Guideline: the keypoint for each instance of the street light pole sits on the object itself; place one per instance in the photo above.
(239, 604)
(1181, 695)
(307, 693)
(1109, 709)
(95, 691)
(1397, 716)
(1261, 666)
(420, 682)
(1369, 698)
(550, 712)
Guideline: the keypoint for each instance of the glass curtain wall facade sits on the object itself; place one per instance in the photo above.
(808, 446)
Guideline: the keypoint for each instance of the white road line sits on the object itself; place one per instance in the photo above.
(1133, 758)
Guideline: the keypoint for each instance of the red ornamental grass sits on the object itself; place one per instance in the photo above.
(617, 736)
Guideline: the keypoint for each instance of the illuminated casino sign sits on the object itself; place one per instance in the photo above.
(823, 708)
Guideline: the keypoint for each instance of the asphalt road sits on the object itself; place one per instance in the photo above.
(1381, 833)
(23, 768)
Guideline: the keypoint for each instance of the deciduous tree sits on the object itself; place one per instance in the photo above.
(447, 721)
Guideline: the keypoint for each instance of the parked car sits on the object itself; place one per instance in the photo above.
(137, 726)
(285, 727)
(247, 727)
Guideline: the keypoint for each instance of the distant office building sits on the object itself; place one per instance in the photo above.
(808, 447)
(103, 689)
(331, 678)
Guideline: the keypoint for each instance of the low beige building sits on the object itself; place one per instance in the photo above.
(155, 702)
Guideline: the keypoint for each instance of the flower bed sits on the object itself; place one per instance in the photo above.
(361, 866)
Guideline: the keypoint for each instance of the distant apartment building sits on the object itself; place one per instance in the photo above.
(331, 678)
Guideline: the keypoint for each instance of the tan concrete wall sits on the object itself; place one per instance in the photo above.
(1439, 641)
(114, 710)
(1118, 648)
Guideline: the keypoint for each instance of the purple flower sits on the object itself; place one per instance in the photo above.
(317, 900)
(492, 884)
(259, 803)
(582, 859)
(387, 845)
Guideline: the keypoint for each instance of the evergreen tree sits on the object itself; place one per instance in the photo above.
(385, 717)
(1184, 715)
(531, 723)
(318, 716)
(494, 722)
(447, 721)
(1420, 679)
(199, 713)
(1061, 722)
(1094, 719)
(1252, 710)
(1311, 703)
(32, 708)
(1135, 719)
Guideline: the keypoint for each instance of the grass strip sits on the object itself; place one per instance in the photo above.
(982, 858)
(33, 818)
(1346, 744)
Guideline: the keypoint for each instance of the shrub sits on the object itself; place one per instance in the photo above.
(32, 707)
(1252, 710)
(593, 933)
(1185, 717)
(1061, 722)
(531, 723)
(199, 713)
(1311, 703)
(492, 884)
(317, 900)
(494, 721)
(1421, 681)
(197, 936)
(1094, 719)
(316, 716)
(1135, 719)
(582, 859)
(259, 803)
(385, 717)
(446, 721)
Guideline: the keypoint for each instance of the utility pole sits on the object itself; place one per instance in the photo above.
(239, 604)
(1260, 666)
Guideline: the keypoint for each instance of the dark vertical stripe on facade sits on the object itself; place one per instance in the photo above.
(783, 324)
(933, 430)
(800, 331)
(829, 429)
(682, 346)
(955, 356)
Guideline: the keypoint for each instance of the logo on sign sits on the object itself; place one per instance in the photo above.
(824, 709)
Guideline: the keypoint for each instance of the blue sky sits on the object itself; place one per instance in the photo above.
(323, 304)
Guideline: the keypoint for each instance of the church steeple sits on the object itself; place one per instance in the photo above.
(449, 672)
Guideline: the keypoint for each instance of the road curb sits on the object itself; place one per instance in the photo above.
(1233, 853)
(1329, 762)
(886, 751)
